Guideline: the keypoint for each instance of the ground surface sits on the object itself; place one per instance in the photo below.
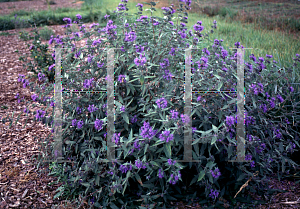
(37, 5)
(21, 185)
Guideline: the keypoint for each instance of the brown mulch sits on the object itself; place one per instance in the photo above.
(37, 5)
(22, 186)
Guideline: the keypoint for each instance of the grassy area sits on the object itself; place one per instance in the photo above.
(282, 46)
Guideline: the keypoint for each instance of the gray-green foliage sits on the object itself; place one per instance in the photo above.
(104, 184)
(46, 33)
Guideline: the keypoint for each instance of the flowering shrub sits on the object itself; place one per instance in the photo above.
(149, 128)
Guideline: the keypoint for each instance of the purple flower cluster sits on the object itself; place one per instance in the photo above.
(98, 124)
(214, 193)
(41, 77)
(125, 168)
(166, 136)
(24, 81)
(40, 114)
(34, 97)
(88, 83)
(160, 173)
(216, 173)
(116, 138)
(79, 124)
(92, 108)
(122, 79)
(147, 132)
(139, 164)
(174, 178)
(140, 61)
(170, 162)
(162, 103)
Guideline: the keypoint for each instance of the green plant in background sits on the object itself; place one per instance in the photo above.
(46, 33)
(24, 35)
(149, 129)
(42, 60)
(6, 34)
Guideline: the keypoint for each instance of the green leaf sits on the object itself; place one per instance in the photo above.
(214, 139)
(86, 184)
(253, 101)
(214, 128)
(167, 149)
(113, 206)
(138, 178)
(201, 175)
(129, 102)
(133, 64)
(154, 163)
(142, 79)
(241, 177)
(219, 86)
(128, 91)
(58, 194)
(146, 147)
(125, 117)
(118, 103)
(230, 102)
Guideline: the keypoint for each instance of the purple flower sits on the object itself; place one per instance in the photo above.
(80, 124)
(213, 193)
(74, 123)
(98, 124)
(79, 17)
(121, 79)
(166, 136)
(33, 97)
(230, 120)
(185, 118)
(20, 77)
(116, 138)
(248, 157)
(88, 83)
(160, 173)
(40, 114)
(161, 103)
(92, 108)
(280, 99)
(272, 102)
(51, 66)
(26, 110)
(146, 131)
(125, 168)
(139, 164)
(139, 5)
(174, 114)
(170, 162)
(122, 109)
(291, 89)
(140, 61)
(133, 119)
(216, 173)
(68, 20)
(264, 108)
